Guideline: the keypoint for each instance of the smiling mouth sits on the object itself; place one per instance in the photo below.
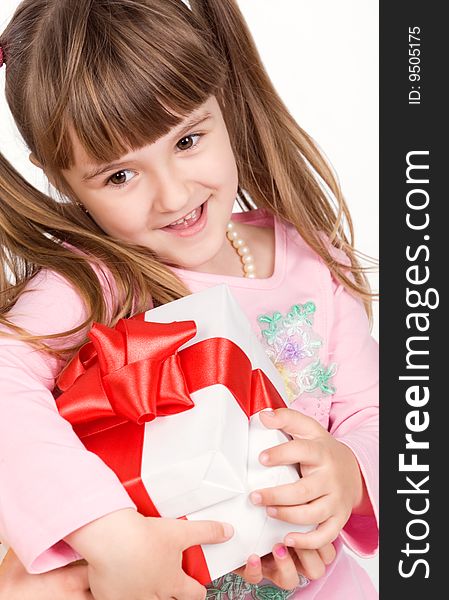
(187, 221)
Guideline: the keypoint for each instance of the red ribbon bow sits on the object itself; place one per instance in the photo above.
(132, 371)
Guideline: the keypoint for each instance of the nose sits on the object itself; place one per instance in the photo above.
(172, 191)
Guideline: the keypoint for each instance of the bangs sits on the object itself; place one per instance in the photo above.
(134, 71)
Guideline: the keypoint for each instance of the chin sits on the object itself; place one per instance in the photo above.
(196, 262)
(192, 264)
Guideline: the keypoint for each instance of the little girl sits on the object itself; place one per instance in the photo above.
(150, 118)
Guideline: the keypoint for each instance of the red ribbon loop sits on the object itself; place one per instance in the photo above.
(132, 371)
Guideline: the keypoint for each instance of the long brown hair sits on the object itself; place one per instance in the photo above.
(122, 73)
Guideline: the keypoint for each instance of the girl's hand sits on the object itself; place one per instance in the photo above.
(331, 487)
(68, 583)
(284, 565)
(132, 557)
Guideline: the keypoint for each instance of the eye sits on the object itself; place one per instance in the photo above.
(187, 143)
(118, 180)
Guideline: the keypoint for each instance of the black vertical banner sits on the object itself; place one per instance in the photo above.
(414, 167)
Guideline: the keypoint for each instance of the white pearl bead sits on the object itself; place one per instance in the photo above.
(243, 250)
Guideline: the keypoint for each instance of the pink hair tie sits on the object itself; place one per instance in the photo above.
(2, 57)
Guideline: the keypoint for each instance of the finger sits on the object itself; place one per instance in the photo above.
(252, 572)
(191, 589)
(315, 512)
(284, 573)
(312, 565)
(325, 532)
(292, 422)
(291, 494)
(204, 532)
(306, 452)
(327, 553)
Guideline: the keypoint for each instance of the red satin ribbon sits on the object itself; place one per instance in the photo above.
(132, 373)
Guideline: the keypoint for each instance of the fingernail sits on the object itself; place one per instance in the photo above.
(264, 458)
(228, 530)
(272, 511)
(288, 541)
(254, 560)
(269, 413)
(281, 551)
(256, 498)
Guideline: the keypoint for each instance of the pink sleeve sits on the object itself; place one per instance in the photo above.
(50, 485)
(355, 408)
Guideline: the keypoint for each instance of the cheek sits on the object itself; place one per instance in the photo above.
(223, 168)
(122, 223)
(113, 218)
(232, 171)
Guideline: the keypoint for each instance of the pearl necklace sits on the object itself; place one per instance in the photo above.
(249, 269)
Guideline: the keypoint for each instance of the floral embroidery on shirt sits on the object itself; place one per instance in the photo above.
(293, 347)
(234, 587)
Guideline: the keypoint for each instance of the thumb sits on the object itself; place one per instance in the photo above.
(291, 421)
(205, 532)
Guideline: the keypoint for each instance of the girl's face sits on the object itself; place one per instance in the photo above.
(138, 196)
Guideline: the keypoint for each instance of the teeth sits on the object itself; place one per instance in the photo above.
(191, 215)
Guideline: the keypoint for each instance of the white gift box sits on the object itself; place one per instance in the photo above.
(203, 463)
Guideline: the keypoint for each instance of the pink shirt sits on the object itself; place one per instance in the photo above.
(50, 485)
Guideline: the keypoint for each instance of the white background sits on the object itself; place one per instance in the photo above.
(322, 56)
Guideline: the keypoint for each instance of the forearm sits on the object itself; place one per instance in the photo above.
(362, 440)
(361, 531)
(102, 537)
(363, 505)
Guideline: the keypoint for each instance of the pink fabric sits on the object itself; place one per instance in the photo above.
(50, 485)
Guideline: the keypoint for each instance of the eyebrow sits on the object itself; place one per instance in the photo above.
(194, 121)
